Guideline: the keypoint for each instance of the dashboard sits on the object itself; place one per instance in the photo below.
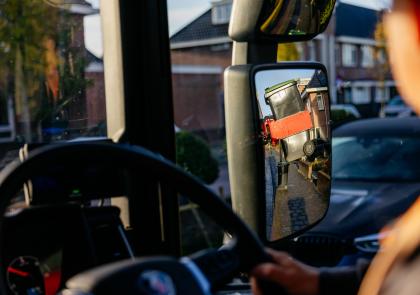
(44, 246)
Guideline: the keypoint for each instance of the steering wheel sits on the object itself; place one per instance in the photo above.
(196, 274)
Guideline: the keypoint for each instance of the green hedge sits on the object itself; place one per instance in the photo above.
(194, 155)
(341, 116)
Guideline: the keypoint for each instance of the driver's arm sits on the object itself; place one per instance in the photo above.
(301, 279)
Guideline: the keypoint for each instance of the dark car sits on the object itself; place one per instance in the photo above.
(376, 177)
(396, 107)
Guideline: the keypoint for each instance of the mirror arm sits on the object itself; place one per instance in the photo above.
(253, 53)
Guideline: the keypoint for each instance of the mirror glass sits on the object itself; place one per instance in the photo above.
(295, 17)
(294, 116)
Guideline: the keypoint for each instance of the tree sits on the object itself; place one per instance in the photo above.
(382, 67)
(24, 27)
(194, 155)
(71, 66)
(287, 52)
(43, 66)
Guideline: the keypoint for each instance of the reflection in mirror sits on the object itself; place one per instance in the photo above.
(296, 17)
(294, 112)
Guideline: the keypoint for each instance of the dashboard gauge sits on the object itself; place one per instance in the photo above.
(25, 275)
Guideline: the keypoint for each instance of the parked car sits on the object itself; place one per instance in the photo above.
(376, 177)
(396, 107)
(343, 113)
(347, 108)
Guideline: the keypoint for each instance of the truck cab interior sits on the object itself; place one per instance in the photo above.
(94, 208)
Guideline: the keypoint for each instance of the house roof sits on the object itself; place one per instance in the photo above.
(319, 80)
(90, 57)
(74, 6)
(352, 21)
(356, 21)
(80, 2)
(94, 64)
(200, 29)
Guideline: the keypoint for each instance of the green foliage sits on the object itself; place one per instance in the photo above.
(194, 155)
(26, 26)
(287, 52)
(23, 26)
(339, 116)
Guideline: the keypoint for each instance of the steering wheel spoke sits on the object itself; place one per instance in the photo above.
(219, 266)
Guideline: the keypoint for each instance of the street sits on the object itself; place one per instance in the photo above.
(293, 208)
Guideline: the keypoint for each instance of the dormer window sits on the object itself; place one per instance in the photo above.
(221, 12)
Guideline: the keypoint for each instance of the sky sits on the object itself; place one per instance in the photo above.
(181, 12)
(93, 31)
(266, 79)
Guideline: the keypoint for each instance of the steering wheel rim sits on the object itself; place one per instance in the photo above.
(245, 243)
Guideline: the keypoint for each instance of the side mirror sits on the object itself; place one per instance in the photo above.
(279, 146)
(279, 20)
(293, 106)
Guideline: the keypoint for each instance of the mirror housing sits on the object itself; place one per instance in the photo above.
(279, 21)
(279, 146)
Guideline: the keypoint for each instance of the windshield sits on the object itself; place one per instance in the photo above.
(376, 158)
(51, 71)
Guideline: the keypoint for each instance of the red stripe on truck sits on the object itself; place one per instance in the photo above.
(290, 125)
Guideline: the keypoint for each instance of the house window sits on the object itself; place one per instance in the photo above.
(320, 101)
(382, 94)
(312, 50)
(220, 47)
(349, 55)
(381, 56)
(337, 54)
(300, 50)
(348, 95)
(221, 14)
(367, 56)
(361, 95)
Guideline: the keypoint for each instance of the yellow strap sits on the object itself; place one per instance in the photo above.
(273, 16)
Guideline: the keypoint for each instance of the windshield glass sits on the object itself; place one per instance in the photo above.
(376, 158)
(51, 77)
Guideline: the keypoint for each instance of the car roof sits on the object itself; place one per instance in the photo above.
(382, 127)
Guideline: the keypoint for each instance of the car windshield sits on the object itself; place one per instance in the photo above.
(376, 158)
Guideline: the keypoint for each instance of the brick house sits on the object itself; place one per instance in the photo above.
(95, 93)
(316, 98)
(201, 50)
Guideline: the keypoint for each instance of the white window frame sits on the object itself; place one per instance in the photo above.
(360, 95)
(349, 55)
(367, 56)
(8, 130)
(320, 102)
(382, 94)
(221, 13)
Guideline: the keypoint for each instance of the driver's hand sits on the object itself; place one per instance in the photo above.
(295, 277)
